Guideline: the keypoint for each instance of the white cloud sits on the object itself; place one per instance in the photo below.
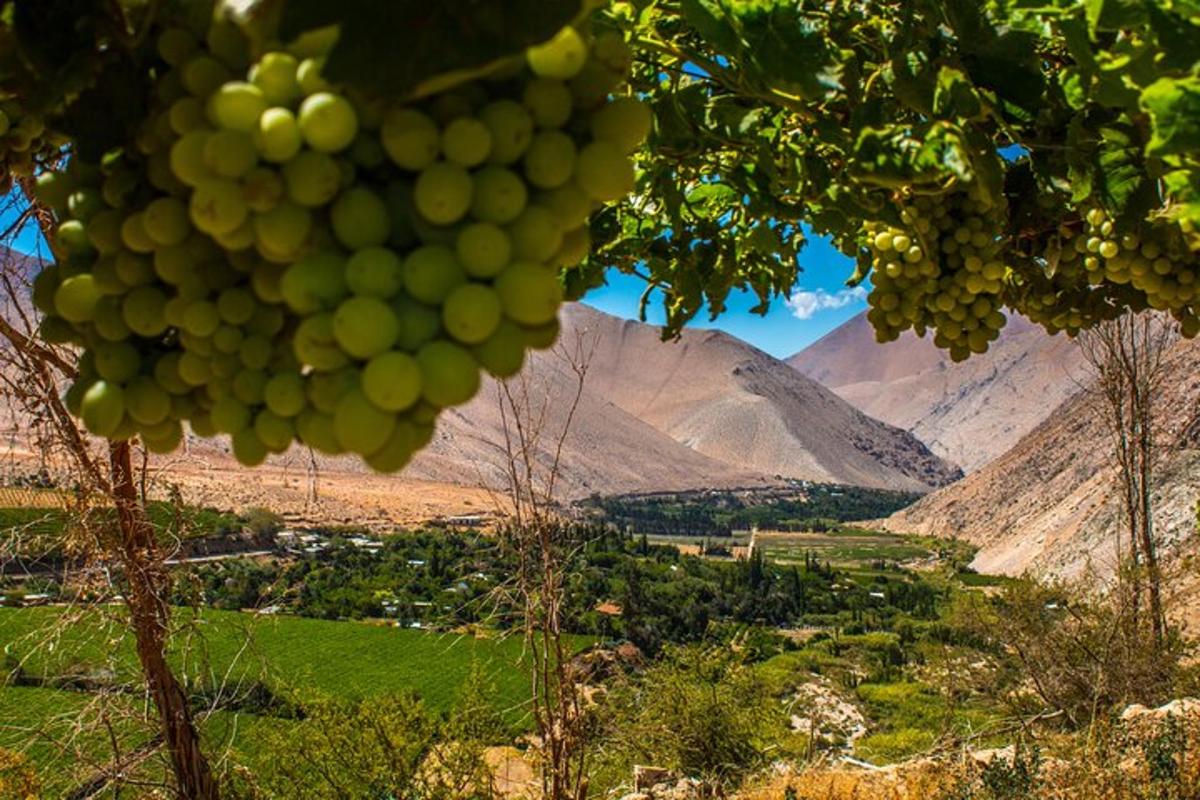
(805, 304)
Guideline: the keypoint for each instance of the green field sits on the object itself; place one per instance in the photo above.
(296, 657)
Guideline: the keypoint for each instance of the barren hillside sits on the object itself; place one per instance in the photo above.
(735, 404)
(968, 413)
(1049, 504)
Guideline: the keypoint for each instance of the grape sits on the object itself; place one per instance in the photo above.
(443, 193)
(359, 425)
(262, 189)
(392, 381)
(248, 449)
(312, 179)
(511, 128)
(328, 122)
(227, 339)
(397, 451)
(230, 415)
(449, 376)
(542, 337)
(165, 221)
(76, 297)
(625, 122)
(143, 311)
(316, 281)
(255, 351)
(275, 77)
(275, 432)
(133, 234)
(229, 154)
(483, 249)
(576, 244)
(284, 394)
(418, 323)
(536, 234)
(471, 313)
(176, 46)
(550, 159)
(203, 75)
(308, 75)
(315, 429)
(360, 219)
(235, 306)
(201, 319)
(278, 136)
(466, 141)
(326, 389)
(365, 327)
(84, 204)
(315, 345)
(280, 233)
(530, 294)
(430, 273)
(499, 195)
(132, 269)
(549, 101)
(604, 172)
(107, 321)
(102, 408)
(166, 440)
(502, 353)
(562, 57)
(194, 369)
(116, 361)
(146, 402)
(187, 157)
(217, 207)
(166, 374)
(237, 106)
(375, 272)
(409, 138)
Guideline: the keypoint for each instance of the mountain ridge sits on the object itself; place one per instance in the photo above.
(968, 413)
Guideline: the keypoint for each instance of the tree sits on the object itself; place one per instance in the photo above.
(1128, 360)
(34, 371)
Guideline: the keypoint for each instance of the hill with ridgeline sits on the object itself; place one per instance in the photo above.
(968, 413)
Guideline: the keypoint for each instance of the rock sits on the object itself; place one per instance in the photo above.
(646, 777)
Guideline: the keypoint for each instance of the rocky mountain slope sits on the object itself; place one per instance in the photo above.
(1050, 503)
(734, 403)
(968, 413)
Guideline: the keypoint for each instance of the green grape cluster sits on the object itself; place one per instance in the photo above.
(278, 259)
(1089, 271)
(24, 142)
(943, 270)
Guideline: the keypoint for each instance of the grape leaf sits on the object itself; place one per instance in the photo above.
(1174, 108)
(396, 46)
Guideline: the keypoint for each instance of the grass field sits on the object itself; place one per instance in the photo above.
(296, 657)
(336, 658)
(841, 548)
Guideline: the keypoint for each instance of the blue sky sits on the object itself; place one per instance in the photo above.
(818, 303)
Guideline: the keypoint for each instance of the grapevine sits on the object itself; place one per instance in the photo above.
(275, 258)
(943, 271)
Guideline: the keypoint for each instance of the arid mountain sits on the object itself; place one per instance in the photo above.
(735, 404)
(967, 413)
(1050, 503)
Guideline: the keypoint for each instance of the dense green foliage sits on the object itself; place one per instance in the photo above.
(445, 580)
(778, 117)
(819, 507)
